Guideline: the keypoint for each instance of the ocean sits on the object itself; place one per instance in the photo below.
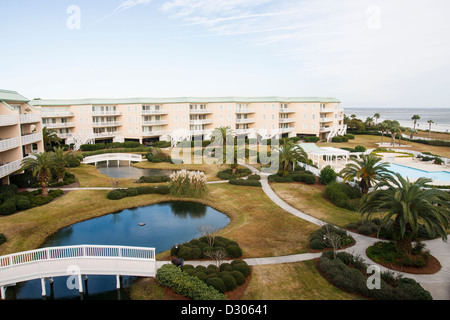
(440, 116)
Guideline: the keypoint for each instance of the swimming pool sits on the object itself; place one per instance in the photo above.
(413, 173)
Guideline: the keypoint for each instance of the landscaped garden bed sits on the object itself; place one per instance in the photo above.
(329, 237)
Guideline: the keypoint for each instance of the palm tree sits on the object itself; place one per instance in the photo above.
(41, 165)
(411, 132)
(430, 122)
(61, 160)
(376, 116)
(399, 130)
(369, 121)
(393, 126)
(49, 136)
(222, 133)
(408, 204)
(289, 152)
(415, 118)
(368, 170)
(384, 127)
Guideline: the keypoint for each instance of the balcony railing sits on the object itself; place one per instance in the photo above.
(201, 111)
(326, 110)
(104, 134)
(9, 144)
(326, 119)
(153, 111)
(286, 120)
(245, 110)
(64, 135)
(107, 124)
(30, 118)
(8, 168)
(59, 125)
(8, 120)
(155, 123)
(245, 120)
(67, 114)
(106, 113)
(285, 130)
(31, 138)
(154, 133)
(200, 122)
(286, 110)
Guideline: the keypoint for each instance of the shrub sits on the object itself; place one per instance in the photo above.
(311, 139)
(337, 139)
(2, 238)
(242, 267)
(189, 286)
(228, 173)
(234, 251)
(154, 179)
(187, 183)
(364, 229)
(229, 281)
(238, 276)
(254, 177)
(327, 175)
(317, 244)
(360, 148)
(185, 252)
(161, 144)
(225, 267)
(116, 194)
(341, 193)
(7, 208)
(243, 182)
(217, 284)
(350, 136)
(23, 203)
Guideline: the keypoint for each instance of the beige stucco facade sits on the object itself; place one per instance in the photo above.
(20, 132)
(144, 120)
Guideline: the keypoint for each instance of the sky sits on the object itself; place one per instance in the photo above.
(375, 53)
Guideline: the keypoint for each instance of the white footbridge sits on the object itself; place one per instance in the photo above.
(130, 157)
(76, 262)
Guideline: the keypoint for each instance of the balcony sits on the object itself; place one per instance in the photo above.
(155, 123)
(58, 115)
(104, 134)
(31, 138)
(154, 133)
(30, 118)
(107, 124)
(245, 120)
(285, 130)
(199, 132)
(64, 135)
(59, 125)
(286, 120)
(243, 131)
(106, 113)
(199, 111)
(200, 122)
(8, 120)
(286, 110)
(154, 111)
(8, 144)
(326, 119)
(245, 110)
(8, 168)
(325, 129)
(326, 110)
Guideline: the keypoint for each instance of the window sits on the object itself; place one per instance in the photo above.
(304, 107)
(314, 117)
(313, 126)
(175, 108)
(264, 117)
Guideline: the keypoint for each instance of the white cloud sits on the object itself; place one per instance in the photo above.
(127, 4)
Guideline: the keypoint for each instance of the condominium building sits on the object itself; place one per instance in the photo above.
(176, 119)
(20, 132)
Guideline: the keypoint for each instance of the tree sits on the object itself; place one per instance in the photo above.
(369, 122)
(411, 132)
(376, 116)
(41, 165)
(61, 161)
(383, 127)
(368, 170)
(222, 134)
(415, 118)
(408, 204)
(430, 122)
(289, 152)
(208, 231)
(49, 137)
(393, 126)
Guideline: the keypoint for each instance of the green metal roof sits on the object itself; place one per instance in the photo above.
(12, 96)
(43, 102)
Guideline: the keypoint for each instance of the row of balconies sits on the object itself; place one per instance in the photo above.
(10, 120)
(12, 143)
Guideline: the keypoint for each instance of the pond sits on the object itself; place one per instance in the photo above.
(129, 172)
(166, 224)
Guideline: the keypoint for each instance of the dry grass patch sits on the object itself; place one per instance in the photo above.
(309, 199)
(292, 281)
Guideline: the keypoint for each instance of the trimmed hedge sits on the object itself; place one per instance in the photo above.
(154, 179)
(12, 202)
(244, 182)
(227, 174)
(118, 194)
(187, 285)
(349, 273)
(297, 176)
(197, 248)
(311, 139)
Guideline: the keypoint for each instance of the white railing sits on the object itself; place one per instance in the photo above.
(9, 168)
(9, 144)
(31, 138)
(326, 119)
(245, 110)
(113, 156)
(200, 111)
(154, 112)
(64, 135)
(154, 133)
(286, 110)
(57, 114)
(247, 120)
(326, 110)
(106, 113)
(155, 123)
(200, 122)
(286, 120)
(59, 125)
(107, 124)
(30, 118)
(8, 120)
(88, 259)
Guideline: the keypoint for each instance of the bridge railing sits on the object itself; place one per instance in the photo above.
(82, 251)
(113, 156)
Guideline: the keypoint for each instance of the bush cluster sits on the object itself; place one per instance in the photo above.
(118, 194)
(245, 182)
(12, 202)
(340, 139)
(189, 286)
(225, 278)
(343, 195)
(191, 143)
(2, 238)
(387, 252)
(160, 157)
(228, 173)
(113, 145)
(154, 179)
(311, 139)
(327, 175)
(161, 144)
(317, 238)
(350, 274)
(198, 248)
(295, 176)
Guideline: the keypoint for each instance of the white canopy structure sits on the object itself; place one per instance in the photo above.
(324, 155)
